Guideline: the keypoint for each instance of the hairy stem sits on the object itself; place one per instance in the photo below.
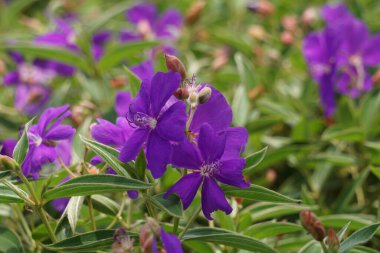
(190, 221)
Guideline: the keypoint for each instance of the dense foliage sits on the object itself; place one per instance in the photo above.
(189, 126)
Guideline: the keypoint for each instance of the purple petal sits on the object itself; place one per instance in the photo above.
(335, 13)
(236, 139)
(144, 70)
(169, 25)
(154, 245)
(133, 145)
(31, 99)
(371, 53)
(211, 145)
(7, 147)
(186, 155)
(127, 36)
(16, 57)
(163, 85)
(355, 35)
(186, 188)
(122, 102)
(141, 102)
(11, 78)
(107, 133)
(133, 194)
(171, 243)
(64, 151)
(60, 133)
(60, 204)
(158, 154)
(213, 198)
(96, 160)
(230, 172)
(216, 112)
(141, 12)
(57, 113)
(171, 123)
(38, 156)
(102, 37)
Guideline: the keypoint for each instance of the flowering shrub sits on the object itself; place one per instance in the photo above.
(188, 127)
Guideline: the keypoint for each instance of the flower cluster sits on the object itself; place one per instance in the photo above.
(339, 55)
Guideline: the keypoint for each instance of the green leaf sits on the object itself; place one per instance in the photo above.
(374, 170)
(133, 81)
(254, 159)
(104, 204)
(172, 205)
(199, 247)
(338, 221)
(240, 106)
(94, 184)
(5, 174)
(228, 238)
(13, 9)
(257, 193)
(73, 211)
(51, 53)
(343, 231)
(9, 241)
(140, 165)
(267, 229)
(92, 241)
(116, 55)
(108, 154)
(22, 146)
(8, 196)
(311, 247)
(361, 236)
(343, 134)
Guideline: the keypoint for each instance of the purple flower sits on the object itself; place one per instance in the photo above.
(7, 147)
(48, 141)
(156, 125)
(98, 42)
(320, 50)
(144, 70)
(170, 243)
(209, 162)
(149, 25)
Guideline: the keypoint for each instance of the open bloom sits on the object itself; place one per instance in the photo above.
(7, 146)
(48, 141)
(156, 125)
(210, 160)
(149, 25)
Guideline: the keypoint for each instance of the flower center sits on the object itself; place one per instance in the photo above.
(142, 120)
(35, 139)
(209, 169)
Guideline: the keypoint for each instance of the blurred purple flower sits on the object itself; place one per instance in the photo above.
(48, 141)
(149, 25)
(7, 146)
(98, 42)
(209, 160)
(156, 125)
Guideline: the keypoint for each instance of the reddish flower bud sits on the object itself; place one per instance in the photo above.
(287, 38)
(195, 11)
(174, 64)
(309, 16)
(239, 200)
(257, 32)
(146, 238)
(333, 240)
(7, 163)
(311, 223)
(290, 23)
(181, 93)
(263, 7)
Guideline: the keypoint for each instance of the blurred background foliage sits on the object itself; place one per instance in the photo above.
(255, 59)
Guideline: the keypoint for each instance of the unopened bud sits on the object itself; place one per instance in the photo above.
(257, 32)
(287, 38)
(289, 23)
(309, 16)
(154, 226)
(261, 7)
(174, 64)
(204, 95)
(146, 238)
(122, 242)
(93, 170)
(311, 223)
(332, 240)
(181, 93)
(195, 11)
(7, 163)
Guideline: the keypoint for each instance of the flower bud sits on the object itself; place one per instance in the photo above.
(7, 163)
(289, 23)
(261, 7)
(181, 93)
(287, 38)
(204, 95)
(333, 240)
(309, 16)
(122, 242)
(174, 64)
(146, 238)
(311, 223)
(154, 226)
(257, 32)
(195, 11)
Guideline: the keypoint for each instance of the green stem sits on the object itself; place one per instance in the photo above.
(28, 185)
(17, 191)
(91, 211)
(324, 249)
(191, 220)
(42, 214)
(176, 223)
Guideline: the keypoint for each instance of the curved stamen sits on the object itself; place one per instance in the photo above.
(209, 169)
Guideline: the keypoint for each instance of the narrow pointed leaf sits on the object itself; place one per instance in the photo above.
(104, 204)
(172, 205)
(267, 229)
(73, 210)
(361, 236)
(94, 184)
(9, 241)
(8, 196)
(228, 238)
(22, 146)
(254, 159)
